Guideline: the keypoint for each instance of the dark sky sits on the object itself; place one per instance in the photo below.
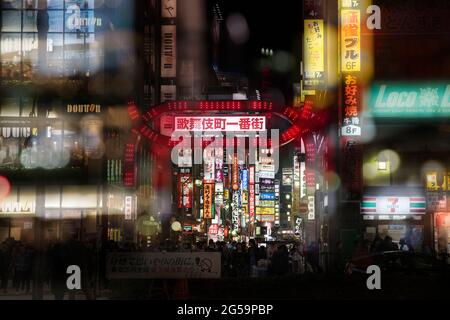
(273, 24)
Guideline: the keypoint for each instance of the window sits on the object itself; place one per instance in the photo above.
(71, 45)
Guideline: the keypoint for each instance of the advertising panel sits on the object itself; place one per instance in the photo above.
(155, 265)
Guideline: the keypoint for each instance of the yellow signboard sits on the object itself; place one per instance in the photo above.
(432, 181)
(208, 191)
(350, 40)
(314, 47)
(265, 211)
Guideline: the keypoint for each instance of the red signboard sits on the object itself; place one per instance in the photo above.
(213, 229)
(235, 170)
(310, 173)
(129, 178)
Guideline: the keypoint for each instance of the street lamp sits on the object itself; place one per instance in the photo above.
(382, 162)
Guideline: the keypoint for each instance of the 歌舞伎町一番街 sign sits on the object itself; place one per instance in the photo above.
(160, 265)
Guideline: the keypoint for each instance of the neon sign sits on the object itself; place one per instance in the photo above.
(410, 100)
(214, 124)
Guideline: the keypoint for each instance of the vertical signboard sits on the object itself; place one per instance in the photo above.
(185, 190)
(314, 52)
(351, 121)
(235, 173)
(209, 166)
(311, 208)
(129, 172)
(251, 207)
(310, 164)
(208, 192)
(130, 208)
(168, 51)
(351, 98)
(313, 45)
(351, 38)
(235, 211)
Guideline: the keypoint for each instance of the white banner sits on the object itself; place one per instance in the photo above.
(266, 175)
(160, 265)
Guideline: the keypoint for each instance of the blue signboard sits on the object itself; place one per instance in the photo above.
(267, 196)
(244, 179)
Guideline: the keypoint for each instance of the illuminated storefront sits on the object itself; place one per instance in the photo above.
(56, 135)
(399, 213)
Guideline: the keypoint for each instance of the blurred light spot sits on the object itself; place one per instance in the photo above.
(370, 170)
(433, 166)
(334, 181)
(5, 188)
(238, 28)
(369, 131)
(392, 157)
(283, 62)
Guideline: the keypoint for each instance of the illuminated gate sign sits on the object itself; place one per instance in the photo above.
(215, 124)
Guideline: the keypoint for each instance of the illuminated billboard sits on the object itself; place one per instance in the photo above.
(314, 53)
(350, 40)
(410, 100)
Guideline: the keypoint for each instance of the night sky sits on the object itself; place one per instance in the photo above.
(275, 26)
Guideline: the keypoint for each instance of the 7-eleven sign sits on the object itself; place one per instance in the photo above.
(393, 204)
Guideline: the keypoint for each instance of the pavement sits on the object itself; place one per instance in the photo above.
(11, 294)
(299, 287)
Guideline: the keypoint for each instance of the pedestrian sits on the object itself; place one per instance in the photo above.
(27, 270)
(339, 258)
(57, 271)
(253, 256)
(280, 261)
(240, 262)
(4, 266)
(403, 246)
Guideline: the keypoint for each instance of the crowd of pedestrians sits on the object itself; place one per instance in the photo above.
(21, 263)
(248, 259)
